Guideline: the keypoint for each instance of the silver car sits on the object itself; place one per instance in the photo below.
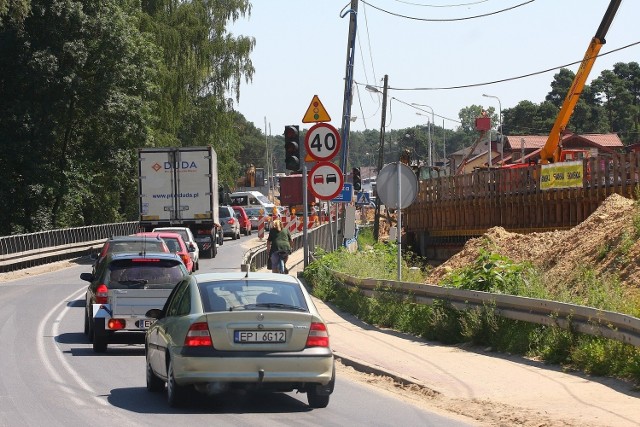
(251, 331)
(189, 240)
(230, 224)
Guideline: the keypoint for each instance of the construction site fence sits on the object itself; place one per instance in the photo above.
(586, 320)
(511, 197)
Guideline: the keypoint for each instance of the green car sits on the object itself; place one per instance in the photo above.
(250, 331)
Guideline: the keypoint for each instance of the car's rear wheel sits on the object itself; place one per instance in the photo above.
(317, 400)
(86, 322)
(176, 394)
(154, 384)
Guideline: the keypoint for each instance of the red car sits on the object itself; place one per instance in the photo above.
(243, 219)
(176, 245)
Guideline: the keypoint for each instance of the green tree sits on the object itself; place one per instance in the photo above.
(200, 60)
(14, 11)
(74, 81)
(618, 90)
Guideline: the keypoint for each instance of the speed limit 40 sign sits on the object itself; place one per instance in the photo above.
(322, 142)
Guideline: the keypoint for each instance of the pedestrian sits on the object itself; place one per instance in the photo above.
(279, 243)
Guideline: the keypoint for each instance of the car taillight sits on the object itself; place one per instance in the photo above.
(101, 294)
(116, 324)
(231, 221)
(185, 258)
(318, 335)
(198, 335)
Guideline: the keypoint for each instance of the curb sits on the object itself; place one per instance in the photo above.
(366, 368)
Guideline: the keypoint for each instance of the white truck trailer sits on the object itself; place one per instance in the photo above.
(178, 186)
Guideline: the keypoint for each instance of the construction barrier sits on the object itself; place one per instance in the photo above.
(293, 224)
(261, 227)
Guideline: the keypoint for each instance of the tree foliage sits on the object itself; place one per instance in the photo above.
(82, 84)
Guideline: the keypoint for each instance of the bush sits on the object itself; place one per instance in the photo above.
(482, 325)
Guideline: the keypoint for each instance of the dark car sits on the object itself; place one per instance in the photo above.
(243, 219)
(254, 215)
(129, 244)
(126, 271)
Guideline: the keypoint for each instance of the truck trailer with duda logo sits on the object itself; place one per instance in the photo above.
(178, 186)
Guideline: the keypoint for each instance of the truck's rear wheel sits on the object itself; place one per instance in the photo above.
(99, 343)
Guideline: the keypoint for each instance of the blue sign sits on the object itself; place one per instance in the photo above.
(363, 198)
(345, 195)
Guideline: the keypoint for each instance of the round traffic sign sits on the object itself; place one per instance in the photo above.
(387, 186)
(322, 142)
(325, 180)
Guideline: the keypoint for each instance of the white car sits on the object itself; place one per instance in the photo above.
(189, 240)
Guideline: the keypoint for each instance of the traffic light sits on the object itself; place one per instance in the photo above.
(357, 182)
(292, 147)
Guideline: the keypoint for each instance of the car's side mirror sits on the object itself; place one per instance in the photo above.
(86, 276)
(155, 313)
(192, 247)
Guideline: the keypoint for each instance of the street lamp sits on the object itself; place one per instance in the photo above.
(499, 126)
(428, 134)
(432, 121)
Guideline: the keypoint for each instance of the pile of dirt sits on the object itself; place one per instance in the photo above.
(605, 242)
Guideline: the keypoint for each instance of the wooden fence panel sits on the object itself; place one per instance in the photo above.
(511, 198)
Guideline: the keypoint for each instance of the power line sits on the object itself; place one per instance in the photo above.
(448, 19)
(510, 78)
(418, 108)
(442, 5)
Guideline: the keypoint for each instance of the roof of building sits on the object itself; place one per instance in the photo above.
(534, 142)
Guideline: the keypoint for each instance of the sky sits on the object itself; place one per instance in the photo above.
(301, 51)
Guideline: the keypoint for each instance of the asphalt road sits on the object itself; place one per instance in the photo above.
(51, 376)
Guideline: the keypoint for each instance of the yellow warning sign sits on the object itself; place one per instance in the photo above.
(316, 112)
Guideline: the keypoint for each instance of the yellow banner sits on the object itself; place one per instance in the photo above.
(561, 175)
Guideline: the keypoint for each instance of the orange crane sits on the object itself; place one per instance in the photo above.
(551, 152)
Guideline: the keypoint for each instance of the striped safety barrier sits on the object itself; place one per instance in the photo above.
(261, 227)
(293, 224)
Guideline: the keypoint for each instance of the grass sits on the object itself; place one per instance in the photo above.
(482, 326)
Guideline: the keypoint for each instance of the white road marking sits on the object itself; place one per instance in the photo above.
(42, 340)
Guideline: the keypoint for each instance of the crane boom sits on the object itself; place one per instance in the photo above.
(551, 150)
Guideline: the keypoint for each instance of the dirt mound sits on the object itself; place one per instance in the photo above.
(604, 242)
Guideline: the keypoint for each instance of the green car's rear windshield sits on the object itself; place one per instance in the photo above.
(251, 295)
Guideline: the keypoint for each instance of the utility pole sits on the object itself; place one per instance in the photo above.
(376, 223)
(348, 97)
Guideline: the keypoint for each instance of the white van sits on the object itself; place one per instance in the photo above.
(251, 199)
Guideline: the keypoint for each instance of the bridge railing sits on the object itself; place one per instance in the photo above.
(28, 250)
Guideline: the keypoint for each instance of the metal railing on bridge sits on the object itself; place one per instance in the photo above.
(29, 250)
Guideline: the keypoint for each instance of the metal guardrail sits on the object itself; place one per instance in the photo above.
(317, 237)
(28, 250)
(587, 320)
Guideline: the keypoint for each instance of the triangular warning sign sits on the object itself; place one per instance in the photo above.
(316, 112)
(362, 199)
